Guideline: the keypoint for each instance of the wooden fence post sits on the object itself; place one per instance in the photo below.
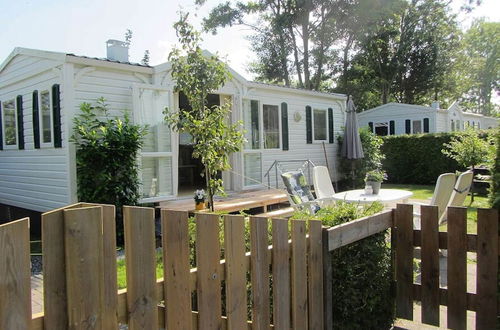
(209, 277)
(15, 293)
(457, 267)
(487, 268)
(327, 282)
(430, 265)
(236, 272)
(281, 274)
(84, 267)
(299, 275)
(315, 275)
(177, 291)
(140, 259)
(404, 261)
(261, 317)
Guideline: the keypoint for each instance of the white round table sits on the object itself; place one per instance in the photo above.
(384, 196)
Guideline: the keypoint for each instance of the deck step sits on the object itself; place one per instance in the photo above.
(287, 211)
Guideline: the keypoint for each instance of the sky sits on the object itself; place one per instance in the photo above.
(82, 27)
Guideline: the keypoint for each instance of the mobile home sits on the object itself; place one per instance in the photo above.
(400, 118)
(41, 91)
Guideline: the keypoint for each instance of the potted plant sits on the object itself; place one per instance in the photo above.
(199, 199)
(374, 179)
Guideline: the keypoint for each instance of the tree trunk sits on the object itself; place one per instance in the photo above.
(296, 56)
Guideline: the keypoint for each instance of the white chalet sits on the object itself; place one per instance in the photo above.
(399, 118)
(41, 91)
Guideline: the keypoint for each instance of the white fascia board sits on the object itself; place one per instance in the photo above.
(107, 64)
(32, 52)
(292, 90)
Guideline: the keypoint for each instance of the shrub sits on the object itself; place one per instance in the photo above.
(469, 149)
(362, 273)
(372, 160)
(418, 159)
(106, 158)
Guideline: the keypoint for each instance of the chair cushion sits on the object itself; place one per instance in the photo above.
(298, 189)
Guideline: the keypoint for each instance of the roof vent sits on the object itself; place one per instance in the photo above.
(435, 105)
(117, 50)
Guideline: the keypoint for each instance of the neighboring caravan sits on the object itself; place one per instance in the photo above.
(399, 118)
(40, 94)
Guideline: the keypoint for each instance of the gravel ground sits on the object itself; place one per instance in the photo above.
(36, 265)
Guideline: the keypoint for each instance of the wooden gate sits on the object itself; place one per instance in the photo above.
(457, 242)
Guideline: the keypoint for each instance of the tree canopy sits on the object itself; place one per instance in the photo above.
(409, 51)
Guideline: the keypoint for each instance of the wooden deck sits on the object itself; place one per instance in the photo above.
(234, 202)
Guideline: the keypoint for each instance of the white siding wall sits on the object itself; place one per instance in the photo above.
(34, 179)
(399, 114)
(298, 146)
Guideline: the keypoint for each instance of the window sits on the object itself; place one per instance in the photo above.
(417, 126)
(320, 122)
(9, 123)
(452, 125)
(271, 121)
(45, 117)
(382, 129)
(156, 164)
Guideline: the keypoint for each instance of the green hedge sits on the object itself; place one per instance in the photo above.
(417, 159)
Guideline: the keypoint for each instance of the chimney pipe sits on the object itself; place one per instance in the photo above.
(117, 50)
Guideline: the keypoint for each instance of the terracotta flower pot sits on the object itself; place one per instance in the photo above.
(199, 206)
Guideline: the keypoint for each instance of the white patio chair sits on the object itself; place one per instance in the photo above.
(322, 183)
(460, 191)
(441, 197)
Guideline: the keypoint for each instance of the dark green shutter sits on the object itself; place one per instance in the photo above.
(1, 127)
(36, 121)
(20, 122)
(56, 116)
(330, 125)
(284, 125)
(254, 117)
(426, 125)
(392, 128)
(408, 126)
(309, 131)
(370, 124)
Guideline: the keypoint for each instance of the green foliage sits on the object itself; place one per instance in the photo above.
(417, 158)
(374, 156)
(197, 75)
(468, 149)
(362, 274)
(106, 157)
(480, 67)
(494, 197)
(375, 176)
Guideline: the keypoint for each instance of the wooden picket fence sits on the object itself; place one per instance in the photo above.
(80, 285)
(290, 281)
(457, 243)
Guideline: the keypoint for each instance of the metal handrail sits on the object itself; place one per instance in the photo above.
(277, 162)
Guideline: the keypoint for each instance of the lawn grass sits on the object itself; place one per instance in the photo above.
(424, 192)
(122, 274)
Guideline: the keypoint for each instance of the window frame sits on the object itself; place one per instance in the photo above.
(382, 124)
(421, 126)
(261, 118)
(16, 125)
(314, 128)
(40, 118)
